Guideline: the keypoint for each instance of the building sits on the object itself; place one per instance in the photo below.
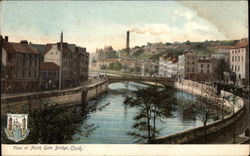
(21, 66)
(205, 70)
(172, 68)
(126, 64)
(148, 67)
(163, 63)
(75, 62)
(49, 75)
(103, 53)
(181, 66)
(191, 64)
(239, 60)
(221, 52)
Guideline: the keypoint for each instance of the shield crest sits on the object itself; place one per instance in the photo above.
(17, 127)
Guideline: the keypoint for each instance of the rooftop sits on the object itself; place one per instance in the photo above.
(48, 66)
(11, 47)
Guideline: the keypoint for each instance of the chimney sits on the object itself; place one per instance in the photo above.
(6, 38)
(127, 45)
(24, 42)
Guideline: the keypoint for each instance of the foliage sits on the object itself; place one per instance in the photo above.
(153, 102)
(138, 53)
(219, 69)
(205, 106)
(103, 67)
(115, 66)
(111, 55)
(131, 69)
(55, 125)
(138, 69)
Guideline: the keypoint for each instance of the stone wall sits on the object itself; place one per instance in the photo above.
(195, 133)
(69, 97)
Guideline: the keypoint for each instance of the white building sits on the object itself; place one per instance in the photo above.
(168, 66)
(181, 66)
(239, 60)
(163, 64)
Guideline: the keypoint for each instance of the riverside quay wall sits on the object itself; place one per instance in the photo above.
(24, 103)
(198, 132)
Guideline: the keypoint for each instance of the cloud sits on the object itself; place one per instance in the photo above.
(229, 17)
(152, 29)
(187, 14)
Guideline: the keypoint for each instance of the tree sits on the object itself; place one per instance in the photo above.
(221, 67)
(233, 100)
(131, 69)
(205, 107)
(103, 67)
(117, 66)
(153, 102)
(138, 69)
(54, 124)
(111, 66)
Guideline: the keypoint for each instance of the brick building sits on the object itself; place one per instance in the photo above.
(21, 67)
(191, 64)
(49, 76)
(204, 72)
(75, 62)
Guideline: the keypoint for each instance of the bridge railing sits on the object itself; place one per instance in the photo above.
(142, 78)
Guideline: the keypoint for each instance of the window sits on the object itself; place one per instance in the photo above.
(201, 70)
(208, 65)
(23, 73)
(192, 69)
(35, 62)
(242, 58)
(238, 67)
(30, 63)
(232, 67)
(11, 58)
(187, 62)
(193, 62)
(29, 74)
(201, 65)
(232, 58)
(51, 53)
(34, 73)
(208, 71)
(235, 68)
(235, 58)
(239, 58)
(187, 69)
(23, 61)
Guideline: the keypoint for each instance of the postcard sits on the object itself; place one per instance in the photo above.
(124, 78)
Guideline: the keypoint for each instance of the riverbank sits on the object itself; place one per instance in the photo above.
(191, 135)
(26, 102)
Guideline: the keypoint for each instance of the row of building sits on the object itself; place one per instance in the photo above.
(191, 65)
(188, 65)
(28, 67)
(201, 67)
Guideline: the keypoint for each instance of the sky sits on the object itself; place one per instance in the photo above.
(95, 24)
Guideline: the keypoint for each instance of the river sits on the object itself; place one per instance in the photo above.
(116, 119)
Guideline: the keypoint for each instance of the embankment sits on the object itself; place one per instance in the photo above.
(195, 133)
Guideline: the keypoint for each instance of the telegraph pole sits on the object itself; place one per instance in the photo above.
(60, 74)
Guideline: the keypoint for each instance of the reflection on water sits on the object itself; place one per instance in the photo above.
(116, 119)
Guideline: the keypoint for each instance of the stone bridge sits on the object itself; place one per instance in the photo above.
(141, 79)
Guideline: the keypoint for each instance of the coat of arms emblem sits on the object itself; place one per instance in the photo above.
(17, 127)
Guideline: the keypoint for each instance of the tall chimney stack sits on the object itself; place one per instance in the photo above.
(127, 45)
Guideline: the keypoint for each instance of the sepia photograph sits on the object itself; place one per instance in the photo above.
(124, 77)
